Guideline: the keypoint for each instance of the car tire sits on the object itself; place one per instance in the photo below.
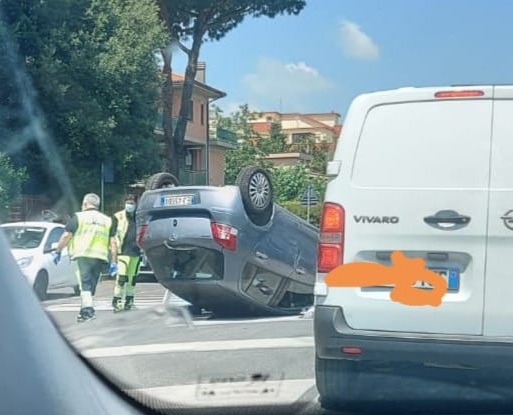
(333, 379)
(256, 189)
(161, 180)
(76, 289)
(41, 285)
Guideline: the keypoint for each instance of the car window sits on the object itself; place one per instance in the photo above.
(20, 237)
(194, 263)
(53, 237)
(260, 283)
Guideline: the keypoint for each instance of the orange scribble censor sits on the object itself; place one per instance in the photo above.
(403, 274)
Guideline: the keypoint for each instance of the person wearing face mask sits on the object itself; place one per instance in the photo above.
(129, 256)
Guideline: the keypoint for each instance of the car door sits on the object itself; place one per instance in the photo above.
(62, 273)
(278, 247)
(498, 309)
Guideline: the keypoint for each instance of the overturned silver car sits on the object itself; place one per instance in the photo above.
(230, 249)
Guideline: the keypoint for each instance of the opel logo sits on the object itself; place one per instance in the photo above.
(508, 220)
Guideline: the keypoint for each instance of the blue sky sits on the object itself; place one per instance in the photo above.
(319, 60)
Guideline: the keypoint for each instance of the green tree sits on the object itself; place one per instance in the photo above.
(321, 155)
(275, 142)
(11, 180)
(94, 70)
(247, 152)
(289, 182)
(200, 21)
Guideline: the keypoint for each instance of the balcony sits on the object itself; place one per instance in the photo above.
(193, 177)
(223, 138)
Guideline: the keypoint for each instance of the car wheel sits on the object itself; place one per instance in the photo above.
(76, 289)
(161, 180)
(257, 194)
(41, 285)
(333, 379)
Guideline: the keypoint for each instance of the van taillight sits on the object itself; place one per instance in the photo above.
(224, 235)
(330, 251)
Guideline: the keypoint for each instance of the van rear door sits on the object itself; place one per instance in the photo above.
(498, 315)
(409, 161)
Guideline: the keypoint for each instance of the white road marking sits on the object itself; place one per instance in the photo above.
(215, 322)
(101, 305)
(232, 394)
(191, 347)
(147, 303)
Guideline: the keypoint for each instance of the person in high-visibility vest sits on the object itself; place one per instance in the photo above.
(129, 256)
(91, 240)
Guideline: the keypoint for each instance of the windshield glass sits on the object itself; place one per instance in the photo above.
(21, 237)
(274, 202)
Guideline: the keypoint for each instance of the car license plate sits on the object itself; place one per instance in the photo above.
(452, 277)
(177, 200)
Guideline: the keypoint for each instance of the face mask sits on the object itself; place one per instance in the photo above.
(130, 208)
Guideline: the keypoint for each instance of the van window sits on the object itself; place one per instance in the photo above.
(442, 144)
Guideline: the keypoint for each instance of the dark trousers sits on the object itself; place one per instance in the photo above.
(88, 272)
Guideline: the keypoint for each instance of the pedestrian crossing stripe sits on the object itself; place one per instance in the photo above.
(203, 346)
(98, 306)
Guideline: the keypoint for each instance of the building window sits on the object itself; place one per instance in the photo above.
(299, 138)
(188, 159)
(202, 116)
(191, 110)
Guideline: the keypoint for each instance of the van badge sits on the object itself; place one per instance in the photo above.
(376, 219)
(508, 219)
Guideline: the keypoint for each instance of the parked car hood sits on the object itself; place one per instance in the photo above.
(22, 253)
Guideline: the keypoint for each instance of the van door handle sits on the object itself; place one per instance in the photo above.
(447, 220)
(300, 271)
(261, 256)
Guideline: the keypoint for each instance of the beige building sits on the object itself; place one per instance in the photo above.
(205, 145)
(323, 127)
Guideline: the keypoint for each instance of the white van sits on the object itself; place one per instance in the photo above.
(428, 172)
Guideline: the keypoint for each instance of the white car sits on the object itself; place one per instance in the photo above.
(32, 244)
(427, 172)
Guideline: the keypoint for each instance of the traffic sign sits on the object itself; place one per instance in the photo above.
(309, 197)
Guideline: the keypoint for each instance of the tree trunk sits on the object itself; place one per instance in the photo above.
(167, 114)
(188, 85)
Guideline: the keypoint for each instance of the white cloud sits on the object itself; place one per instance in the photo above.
(290, 83)
(356, 43)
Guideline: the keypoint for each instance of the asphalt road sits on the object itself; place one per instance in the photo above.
(161, 355)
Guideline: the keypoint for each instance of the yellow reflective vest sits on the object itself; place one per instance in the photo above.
(91, 239)
(122, 229)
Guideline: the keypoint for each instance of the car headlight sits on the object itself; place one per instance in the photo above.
(25, 262)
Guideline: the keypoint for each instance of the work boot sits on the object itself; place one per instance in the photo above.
(117, 304)
(86, 314)
(129, 303)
